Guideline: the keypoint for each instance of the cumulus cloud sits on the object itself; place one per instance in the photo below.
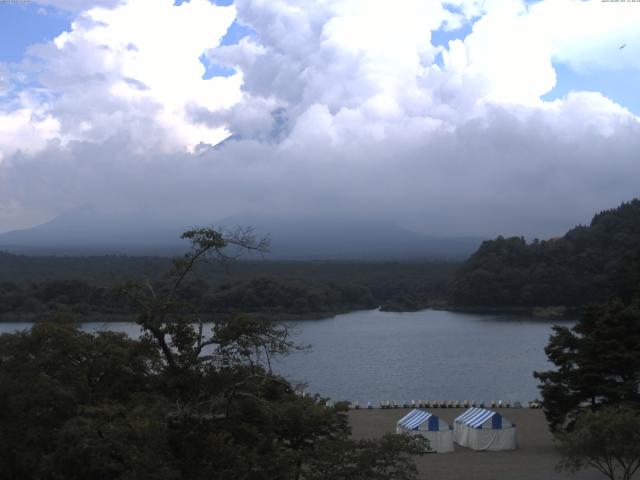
(350, 57)
(343, 106)
(134, 69)
(509, 174)
(80, 5)
(591, 42)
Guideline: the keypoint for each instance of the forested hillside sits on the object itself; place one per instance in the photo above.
(574, 270)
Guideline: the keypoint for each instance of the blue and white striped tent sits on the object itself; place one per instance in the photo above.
(481, 429)
(421, 422)
(476, 418)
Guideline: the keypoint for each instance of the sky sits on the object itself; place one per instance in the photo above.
(458, 117)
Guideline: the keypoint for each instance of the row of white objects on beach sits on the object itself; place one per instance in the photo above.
(387, 404)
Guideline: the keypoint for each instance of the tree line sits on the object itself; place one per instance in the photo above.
(264, 295)
(579, 268)
(49, 285)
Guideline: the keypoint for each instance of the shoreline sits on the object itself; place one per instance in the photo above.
(555, 312)
(543, 313)
(131, 317)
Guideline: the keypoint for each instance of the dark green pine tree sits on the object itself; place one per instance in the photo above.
(598, 363)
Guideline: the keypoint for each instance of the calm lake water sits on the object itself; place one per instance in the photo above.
(431, 355)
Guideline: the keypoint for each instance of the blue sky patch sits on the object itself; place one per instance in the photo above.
(236, 32)
(215, 69)
(619, 86)
(441, 38)
(23, 24)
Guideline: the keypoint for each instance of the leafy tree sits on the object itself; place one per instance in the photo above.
(387, 458)
(607, 440)
(161, 312)
(49, 375)
(597, 360)
(183, 402)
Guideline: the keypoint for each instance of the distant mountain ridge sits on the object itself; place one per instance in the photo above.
(351, 238)
(573, 270)
(85, 231)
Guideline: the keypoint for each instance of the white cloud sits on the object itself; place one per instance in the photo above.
(511, 174)
(591, 39)
(337, 106)
(133, 70)
(80, 5)
(355, 58)
(25, 130)
(508, 55)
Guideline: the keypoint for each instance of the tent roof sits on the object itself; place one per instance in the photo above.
(475, 417)
(415, 418)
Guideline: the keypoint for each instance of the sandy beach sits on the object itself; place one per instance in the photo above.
(534, 459)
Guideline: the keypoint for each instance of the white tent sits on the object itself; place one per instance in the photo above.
(481, 429)
(420, 422)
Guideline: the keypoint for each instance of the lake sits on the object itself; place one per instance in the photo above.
(428, 355)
